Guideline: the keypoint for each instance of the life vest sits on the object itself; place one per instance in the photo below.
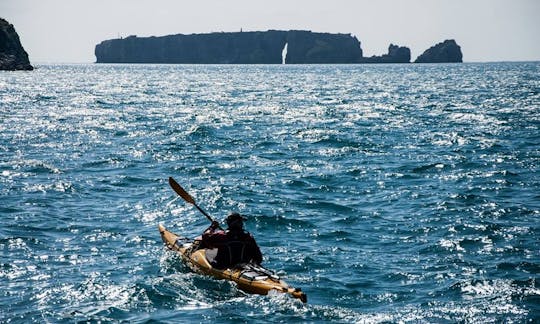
(234, 248)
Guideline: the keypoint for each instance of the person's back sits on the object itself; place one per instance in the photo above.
(234, 246)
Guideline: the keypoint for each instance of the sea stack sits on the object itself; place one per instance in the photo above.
(445, 52)
(396, 54)
(12, 54)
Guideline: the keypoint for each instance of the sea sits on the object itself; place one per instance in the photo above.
(402, 193)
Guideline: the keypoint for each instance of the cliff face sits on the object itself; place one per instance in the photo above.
(445, 52)
(214, 48)
(305, 47)
(12, 54)
(396, 54)
(233, 48)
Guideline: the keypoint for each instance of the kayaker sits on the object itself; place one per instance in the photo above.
(234, 245)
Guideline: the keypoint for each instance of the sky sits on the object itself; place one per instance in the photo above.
(67, 31)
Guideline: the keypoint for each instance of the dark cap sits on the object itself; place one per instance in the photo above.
(235, 219)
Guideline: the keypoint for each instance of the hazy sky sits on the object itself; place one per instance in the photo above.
(486, 30)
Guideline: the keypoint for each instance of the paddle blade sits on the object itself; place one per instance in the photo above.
(180, 191)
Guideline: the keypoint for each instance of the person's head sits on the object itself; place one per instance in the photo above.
(235, 221)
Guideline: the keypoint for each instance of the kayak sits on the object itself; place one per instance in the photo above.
(251, 278)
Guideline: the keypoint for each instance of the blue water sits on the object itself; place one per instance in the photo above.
(388, 193)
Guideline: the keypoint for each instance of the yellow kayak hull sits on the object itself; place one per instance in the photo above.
(251, 279)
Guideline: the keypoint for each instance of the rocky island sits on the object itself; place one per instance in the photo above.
(445, 52)
(267, 47)
(258, 47)
(12, 54)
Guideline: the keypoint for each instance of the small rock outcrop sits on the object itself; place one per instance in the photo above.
(12, 54)
(445, 52)
(396, 54)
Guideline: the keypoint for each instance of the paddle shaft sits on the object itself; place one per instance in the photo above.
(204, 213)
(187, 197)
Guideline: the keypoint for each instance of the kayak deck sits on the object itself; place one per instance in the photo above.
(248, 277)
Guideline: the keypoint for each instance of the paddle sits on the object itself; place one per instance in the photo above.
(187, 197)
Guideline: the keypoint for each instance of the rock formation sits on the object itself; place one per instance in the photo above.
(213, 48)
(445, 52)
(233, 48)
(396, 54)
(12, 54)
(303, 47)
